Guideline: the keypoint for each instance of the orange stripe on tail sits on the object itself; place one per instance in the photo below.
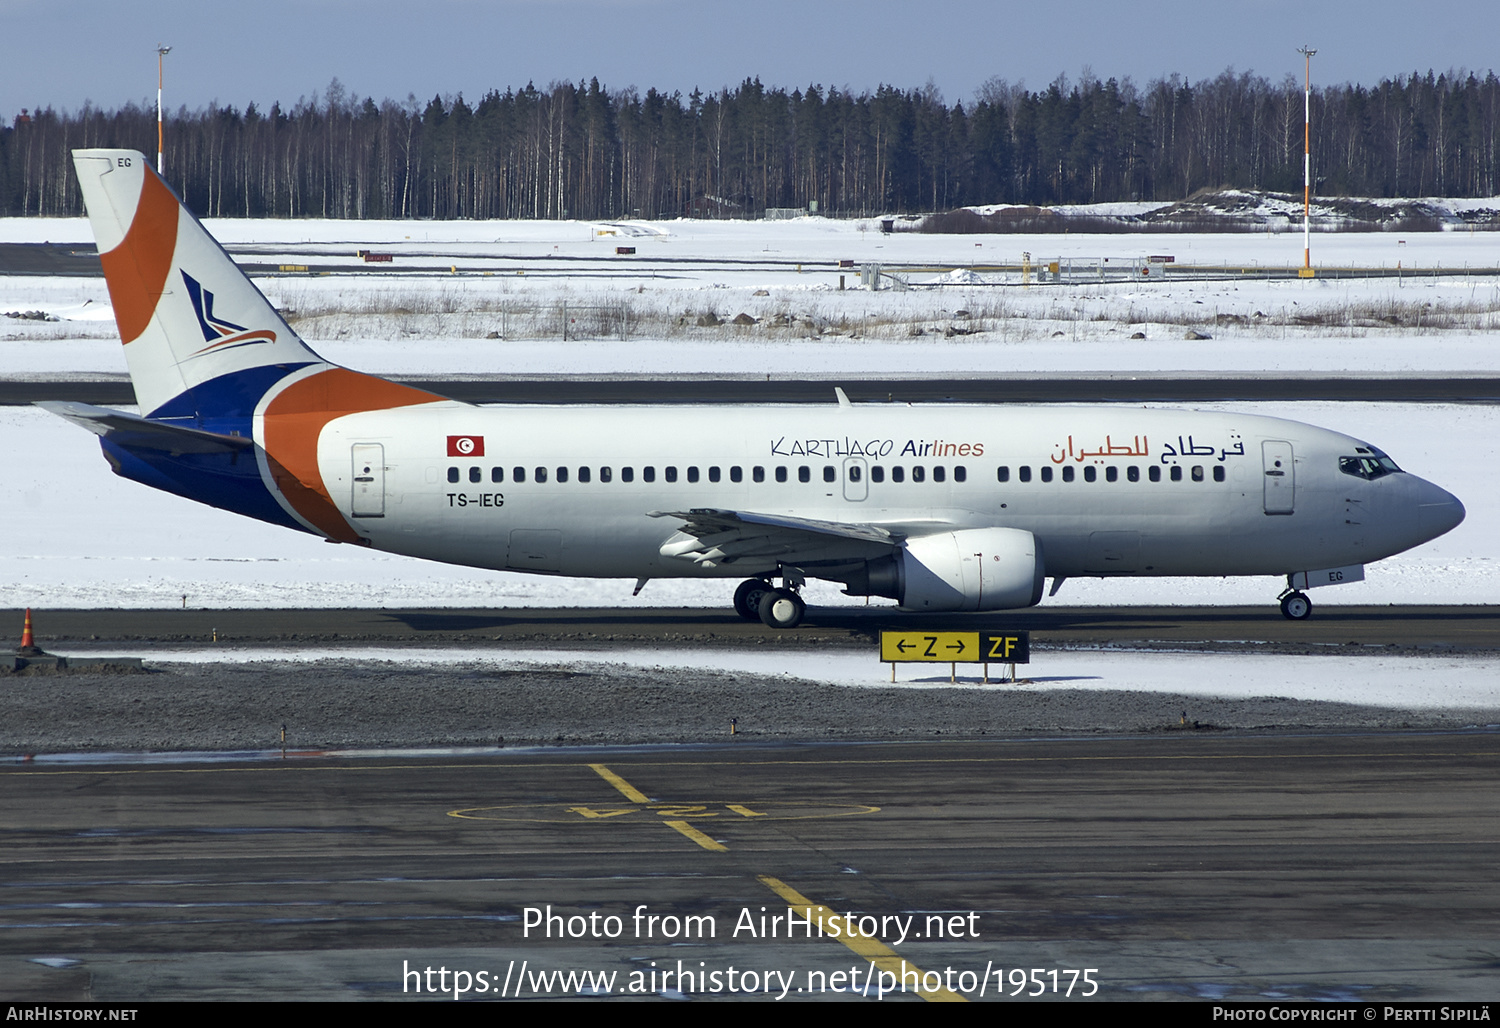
(137, 269)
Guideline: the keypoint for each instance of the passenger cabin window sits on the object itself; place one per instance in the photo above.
(877, 473)
(1197, 472)
(1176, 474)
(1112, 473)
(781, 472)
(583, 474)
(1046, 474)
(453, 474)
(939, 473)
(497, 474)
(1090, 473)
(1154, 473)
(606, 474)
(918, 473)
(1024, 473)
(713, 474)
(829, 474)
(562, 474)
(475, 475)
(670, 473)
(1068, 473)
(541, 475)
(804, 473)
(758, 473)
(692, 474)
(1002, 474)
(648, 474)
(1218, 472)
(854, 475)
(736, 474)
(627, 474)
(960, 474)
(518, 474)
(1132, 474)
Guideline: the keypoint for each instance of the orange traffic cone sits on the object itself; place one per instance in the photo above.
(28, 644)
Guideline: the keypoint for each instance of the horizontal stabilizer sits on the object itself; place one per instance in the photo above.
(137, 433)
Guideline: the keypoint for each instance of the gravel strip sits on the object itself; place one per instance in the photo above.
(359, 704)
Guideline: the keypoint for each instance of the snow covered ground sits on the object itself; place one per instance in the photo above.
(78, 536)
(404, 322)
(1399, 682)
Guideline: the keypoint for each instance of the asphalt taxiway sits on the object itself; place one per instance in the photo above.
(1410, 628)
(1314, 867)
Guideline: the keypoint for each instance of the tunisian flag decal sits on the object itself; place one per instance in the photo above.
(466, 446)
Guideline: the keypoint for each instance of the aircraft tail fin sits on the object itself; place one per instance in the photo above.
(200, 339)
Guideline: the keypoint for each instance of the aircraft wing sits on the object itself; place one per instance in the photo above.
(711, 537)
(137, 433)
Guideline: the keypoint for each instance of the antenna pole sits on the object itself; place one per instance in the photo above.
(1307, 162)
(161, 52)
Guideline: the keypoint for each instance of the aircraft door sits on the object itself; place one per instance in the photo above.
(856, 479)
(1280, 476)
(368, 500)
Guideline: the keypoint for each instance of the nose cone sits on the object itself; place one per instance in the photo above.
(1438, 510)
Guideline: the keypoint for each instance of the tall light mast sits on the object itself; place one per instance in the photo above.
(161, 52)
(1307, 165)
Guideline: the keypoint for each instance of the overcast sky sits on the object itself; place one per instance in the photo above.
(63, 53)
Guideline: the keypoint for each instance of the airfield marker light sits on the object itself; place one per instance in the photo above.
(1307, 163)
(161, 52)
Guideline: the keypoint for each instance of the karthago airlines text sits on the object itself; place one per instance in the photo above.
(520, 980)
(847, 447)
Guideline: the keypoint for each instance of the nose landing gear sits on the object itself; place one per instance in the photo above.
(1295, 606)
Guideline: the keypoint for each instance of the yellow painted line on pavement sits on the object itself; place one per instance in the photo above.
(635, 795)
(876, 952)
(629, 791)
(873, 950)
(697, 836)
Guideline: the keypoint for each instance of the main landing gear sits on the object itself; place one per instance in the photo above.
(747, 598)
(1295, 606)
(758, 600)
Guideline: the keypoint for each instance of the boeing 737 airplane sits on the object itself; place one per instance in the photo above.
(942, 508)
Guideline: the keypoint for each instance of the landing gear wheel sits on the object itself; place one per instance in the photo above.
(747, 598)
(782, 608)
(1296, 607)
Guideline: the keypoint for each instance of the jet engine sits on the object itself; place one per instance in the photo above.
(973, 569)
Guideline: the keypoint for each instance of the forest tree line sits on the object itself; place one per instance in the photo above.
(581, 151)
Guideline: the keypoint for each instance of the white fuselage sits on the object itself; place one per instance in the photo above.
(1106, 491)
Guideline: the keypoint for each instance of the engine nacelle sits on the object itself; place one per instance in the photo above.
(974, 569)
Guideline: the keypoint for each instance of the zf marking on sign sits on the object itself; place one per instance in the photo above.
(956, 647)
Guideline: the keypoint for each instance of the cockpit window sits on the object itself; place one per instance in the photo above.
(1370, 464)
